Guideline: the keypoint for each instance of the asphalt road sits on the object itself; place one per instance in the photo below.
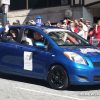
(21, 88)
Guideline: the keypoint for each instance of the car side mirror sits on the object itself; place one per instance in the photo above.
(39, 45)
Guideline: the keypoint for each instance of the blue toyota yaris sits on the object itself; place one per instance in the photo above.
(59, 56)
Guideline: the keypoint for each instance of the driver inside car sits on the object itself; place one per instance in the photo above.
(37, 37)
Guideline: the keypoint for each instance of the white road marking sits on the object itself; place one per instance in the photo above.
(57, 95)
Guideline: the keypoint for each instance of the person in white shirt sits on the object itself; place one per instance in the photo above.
(83, 30)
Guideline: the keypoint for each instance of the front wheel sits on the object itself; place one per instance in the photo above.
(58, 78)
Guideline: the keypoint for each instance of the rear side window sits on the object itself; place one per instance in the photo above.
(14, 33)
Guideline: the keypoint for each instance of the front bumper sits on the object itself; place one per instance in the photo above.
(85, 76)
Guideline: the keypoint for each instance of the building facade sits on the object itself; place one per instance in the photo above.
(88, 9)
(54, 10)
(36, 4)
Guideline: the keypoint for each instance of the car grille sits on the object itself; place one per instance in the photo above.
(97, 64)
(96, 78)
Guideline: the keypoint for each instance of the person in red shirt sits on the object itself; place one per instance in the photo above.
(97, 30)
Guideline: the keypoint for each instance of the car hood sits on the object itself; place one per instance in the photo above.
(90, 52)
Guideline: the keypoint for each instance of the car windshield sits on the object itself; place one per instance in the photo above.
(64, 38)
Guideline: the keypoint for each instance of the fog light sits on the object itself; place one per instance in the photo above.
(82, 79)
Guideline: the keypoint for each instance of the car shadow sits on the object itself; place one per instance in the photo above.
(45, 83)
(24, 79)
(84, 88)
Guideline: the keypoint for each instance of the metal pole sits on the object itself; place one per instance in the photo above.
(4, 21)
(27, 7)
(5, 7)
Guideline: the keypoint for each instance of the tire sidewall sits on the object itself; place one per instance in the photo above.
(66, 80)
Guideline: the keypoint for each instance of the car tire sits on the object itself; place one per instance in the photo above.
(58, 78)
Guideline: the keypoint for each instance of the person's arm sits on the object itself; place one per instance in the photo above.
(96, 29)
(72, 40)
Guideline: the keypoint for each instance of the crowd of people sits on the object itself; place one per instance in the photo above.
(82, 27)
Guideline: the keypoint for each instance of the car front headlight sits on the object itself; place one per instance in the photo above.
(75, 57)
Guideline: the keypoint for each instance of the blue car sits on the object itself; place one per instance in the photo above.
(59, 56)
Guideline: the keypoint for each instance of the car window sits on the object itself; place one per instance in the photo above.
(31, 37)
(14, 33)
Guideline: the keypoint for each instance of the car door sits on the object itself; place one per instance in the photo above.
(8, 53)
(33, 60)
